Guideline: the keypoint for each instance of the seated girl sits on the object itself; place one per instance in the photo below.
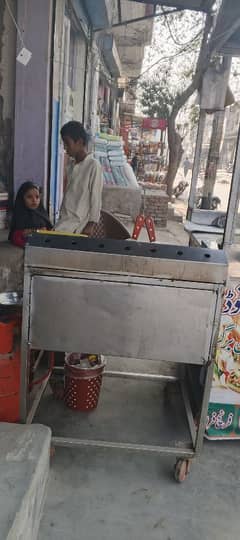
(29, 215)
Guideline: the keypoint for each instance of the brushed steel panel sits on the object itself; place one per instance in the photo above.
(121, 318)
(207, 270)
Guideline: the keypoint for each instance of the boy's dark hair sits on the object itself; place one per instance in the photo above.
(75, 131)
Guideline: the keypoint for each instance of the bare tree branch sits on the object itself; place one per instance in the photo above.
(202, 65)
(212, 42)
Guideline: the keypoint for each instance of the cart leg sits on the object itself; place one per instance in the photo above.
(182, 469)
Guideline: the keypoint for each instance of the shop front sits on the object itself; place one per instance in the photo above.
(69, 88)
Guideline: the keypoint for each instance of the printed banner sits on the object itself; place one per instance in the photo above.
(154, 123)
(224, 407)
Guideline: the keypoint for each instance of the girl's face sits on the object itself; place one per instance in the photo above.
(32, 198)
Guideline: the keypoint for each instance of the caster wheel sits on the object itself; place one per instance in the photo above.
(181, 469)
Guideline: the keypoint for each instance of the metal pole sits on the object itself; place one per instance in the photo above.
(138, 19)
(196, 164)
(70, 442)
(119, 11)
(209, 374)
(25, 352)
(216, 135)
(233, 201)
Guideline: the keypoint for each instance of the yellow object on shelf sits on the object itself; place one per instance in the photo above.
(61, 233)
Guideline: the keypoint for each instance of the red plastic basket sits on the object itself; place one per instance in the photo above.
(82, 385)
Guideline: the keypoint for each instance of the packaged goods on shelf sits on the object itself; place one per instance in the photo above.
(108, 150)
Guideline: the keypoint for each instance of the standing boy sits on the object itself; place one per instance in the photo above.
(82, 200)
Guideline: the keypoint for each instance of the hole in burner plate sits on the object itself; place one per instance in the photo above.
(127, 248)
(180, 253)
(207, 255)
(74, 243)
(47, 240)
(101, 245)
(153, 250)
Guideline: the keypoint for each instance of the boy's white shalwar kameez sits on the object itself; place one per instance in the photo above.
(83, 196)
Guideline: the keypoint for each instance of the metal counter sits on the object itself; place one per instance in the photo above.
(124, 299)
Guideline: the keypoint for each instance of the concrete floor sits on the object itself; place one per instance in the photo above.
(118, 495)
(112, 495)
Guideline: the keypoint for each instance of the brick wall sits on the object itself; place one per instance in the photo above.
(156, 206)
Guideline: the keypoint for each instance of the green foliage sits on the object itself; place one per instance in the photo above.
(194, 115)
(156, 99)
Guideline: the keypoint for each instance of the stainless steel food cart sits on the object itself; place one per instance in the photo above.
(120, 298)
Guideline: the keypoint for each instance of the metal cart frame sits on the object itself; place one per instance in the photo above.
(49, 274)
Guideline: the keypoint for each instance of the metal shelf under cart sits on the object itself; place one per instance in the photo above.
(151, 302)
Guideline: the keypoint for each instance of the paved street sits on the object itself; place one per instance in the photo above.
(106, 495)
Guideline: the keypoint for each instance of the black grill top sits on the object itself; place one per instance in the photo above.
(126, 247)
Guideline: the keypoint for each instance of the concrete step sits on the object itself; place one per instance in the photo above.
(24, 470)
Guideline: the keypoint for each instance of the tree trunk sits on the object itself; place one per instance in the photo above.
(175, 154)
(211, 44)
(174, 139)
(213, 159)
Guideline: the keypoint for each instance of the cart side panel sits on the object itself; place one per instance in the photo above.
(172, 323)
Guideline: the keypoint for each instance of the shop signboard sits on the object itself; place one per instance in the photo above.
(154, 123)
(223, 420)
